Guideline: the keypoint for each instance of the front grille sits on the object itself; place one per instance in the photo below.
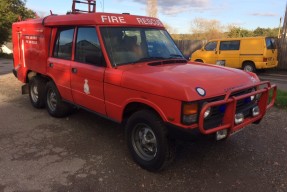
(216, 117)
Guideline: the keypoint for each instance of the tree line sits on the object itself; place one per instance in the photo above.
(204, 29)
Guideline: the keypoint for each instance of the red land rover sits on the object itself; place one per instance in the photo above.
(128, 69)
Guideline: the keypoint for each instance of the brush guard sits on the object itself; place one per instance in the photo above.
(228, 122)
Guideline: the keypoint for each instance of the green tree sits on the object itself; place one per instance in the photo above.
(266, 32)
(10, 11)
(235, 32)
(259, 31)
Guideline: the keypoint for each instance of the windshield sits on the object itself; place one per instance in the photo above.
(132, 45)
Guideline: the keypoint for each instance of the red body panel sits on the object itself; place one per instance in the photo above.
(30, 47)
(94, 76)
(60, 71)
(178, 81)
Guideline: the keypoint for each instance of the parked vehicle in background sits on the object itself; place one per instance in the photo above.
(127, 68)
(249, 53)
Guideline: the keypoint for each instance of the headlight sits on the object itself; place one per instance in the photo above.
(208, 111)
(253, 96)
(189, 113)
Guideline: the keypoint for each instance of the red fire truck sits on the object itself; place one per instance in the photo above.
(128, 69)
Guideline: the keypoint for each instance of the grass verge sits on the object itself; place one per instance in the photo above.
(281, 99)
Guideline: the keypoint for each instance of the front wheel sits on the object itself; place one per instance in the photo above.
(55, 106)
(148, 141)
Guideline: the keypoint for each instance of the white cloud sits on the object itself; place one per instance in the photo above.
(264, 14)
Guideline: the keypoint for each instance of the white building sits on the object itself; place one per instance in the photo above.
(5, 49)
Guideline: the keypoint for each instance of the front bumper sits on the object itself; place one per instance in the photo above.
(226, 120)
(266, 65)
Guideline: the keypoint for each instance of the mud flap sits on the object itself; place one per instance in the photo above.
(25, 89)
(15, 73)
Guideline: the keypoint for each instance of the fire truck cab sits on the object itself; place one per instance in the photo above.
(128, 69)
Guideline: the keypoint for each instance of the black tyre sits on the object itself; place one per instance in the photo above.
(249, 66)
(37, 91)
(148, 141)
(54, 104)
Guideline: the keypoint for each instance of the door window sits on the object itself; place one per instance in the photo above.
(88, 49)
(229, 45)
(63, 44)
(211, 46)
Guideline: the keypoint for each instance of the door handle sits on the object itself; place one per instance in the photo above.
(51, 65)
(74, 70)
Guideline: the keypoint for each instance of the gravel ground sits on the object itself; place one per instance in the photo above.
(87, 153)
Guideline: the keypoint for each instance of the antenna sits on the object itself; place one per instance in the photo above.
(91, 6)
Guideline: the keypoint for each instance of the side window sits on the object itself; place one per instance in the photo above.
(229, 45)
(211, 46)
(88, 48)
(63, 44)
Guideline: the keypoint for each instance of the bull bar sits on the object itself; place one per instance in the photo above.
(230, 111)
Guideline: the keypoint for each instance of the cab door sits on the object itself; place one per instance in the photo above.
(58, 65)
(228, 54)
(87, 71)
(209, 52)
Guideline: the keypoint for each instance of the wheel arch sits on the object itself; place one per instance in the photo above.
(199, 60)
(246, 62)
(30, 74)
(136, 105)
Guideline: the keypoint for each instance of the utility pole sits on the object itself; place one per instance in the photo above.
(152, 8)
(279, 28)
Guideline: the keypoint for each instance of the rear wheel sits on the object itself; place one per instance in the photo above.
(249, 67)
(148, 141)
(37, 91)
(55, 106)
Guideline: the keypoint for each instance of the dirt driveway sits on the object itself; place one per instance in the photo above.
(87, 153)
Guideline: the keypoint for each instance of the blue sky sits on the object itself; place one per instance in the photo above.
(179, 14)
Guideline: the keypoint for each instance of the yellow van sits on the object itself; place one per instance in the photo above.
(248, 53)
